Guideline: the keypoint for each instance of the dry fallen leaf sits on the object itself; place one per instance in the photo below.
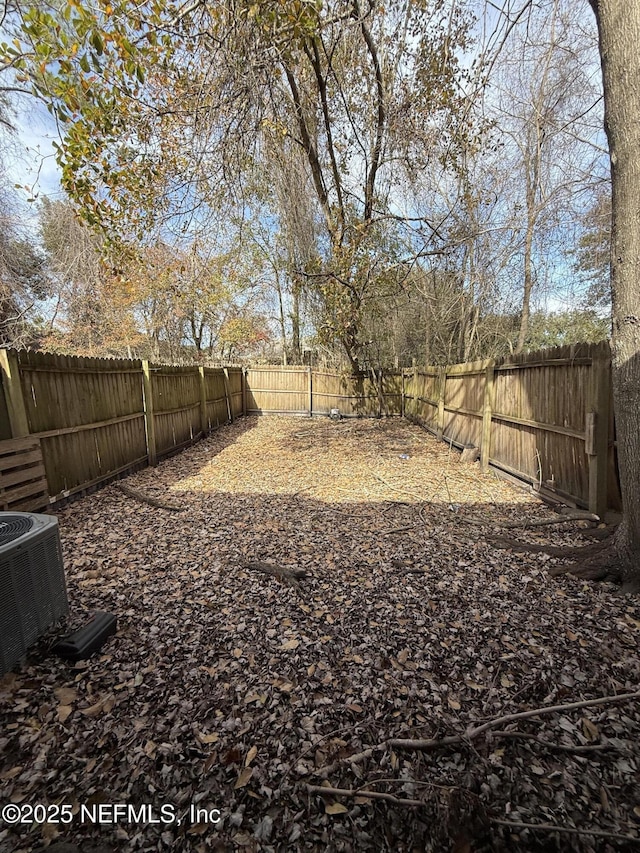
(244, 777)
(251, 755)
(10, 774)
(589, 729)
(335, 808)
(65, 695)
(214, 737)
(63, 712)
(103, 706)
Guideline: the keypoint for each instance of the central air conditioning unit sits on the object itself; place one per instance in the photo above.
(33, 593)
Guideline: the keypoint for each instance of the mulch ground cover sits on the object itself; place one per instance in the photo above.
(319, 648)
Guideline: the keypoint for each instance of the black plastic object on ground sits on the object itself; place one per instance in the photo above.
(84, 642)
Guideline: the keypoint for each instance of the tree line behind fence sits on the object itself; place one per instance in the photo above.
(543, 417)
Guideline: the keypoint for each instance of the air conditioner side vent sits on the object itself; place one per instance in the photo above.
(33, 593)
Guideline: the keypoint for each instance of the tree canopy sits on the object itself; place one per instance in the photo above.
(428, 162)
(173, 116)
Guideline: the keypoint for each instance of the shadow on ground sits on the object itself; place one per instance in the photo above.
(232, 686)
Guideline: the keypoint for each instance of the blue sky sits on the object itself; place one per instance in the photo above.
(34, 162)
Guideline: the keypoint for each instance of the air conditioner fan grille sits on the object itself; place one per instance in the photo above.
(13, 526)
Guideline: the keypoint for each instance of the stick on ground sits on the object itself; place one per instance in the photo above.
(473, 732)
(146, 499)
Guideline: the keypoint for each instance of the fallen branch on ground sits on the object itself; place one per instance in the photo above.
(473, 732)
(509, 824)
(563, 518)
(569, 830)
(558, 747)
(283, 572)
(133, 493)
(396, 488)
(362, 792)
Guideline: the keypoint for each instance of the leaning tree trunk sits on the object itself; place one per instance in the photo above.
(619, 35)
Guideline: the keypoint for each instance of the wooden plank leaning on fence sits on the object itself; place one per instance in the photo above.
(597, 429)
(16, 408)
(23, 482)
(485, 443)
(149, 419)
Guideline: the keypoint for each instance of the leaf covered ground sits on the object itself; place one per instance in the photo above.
(233, 684)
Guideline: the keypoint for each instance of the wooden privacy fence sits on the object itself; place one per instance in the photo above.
(545, 417)
(303, 391)
(95, 418)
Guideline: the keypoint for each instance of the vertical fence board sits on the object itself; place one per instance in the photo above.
(597, 429)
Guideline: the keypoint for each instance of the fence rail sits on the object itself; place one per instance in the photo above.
(545, 417)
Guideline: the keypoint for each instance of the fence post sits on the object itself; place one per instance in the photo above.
(485, 442)
(16, 409)
(414, 390)
(227, 394)
(597, 430)
(148, 414)
(310, 391)
(204, 421)
(243, 374)
(442, 371)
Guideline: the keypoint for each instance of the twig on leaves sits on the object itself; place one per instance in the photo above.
(134, 493)
(473, 732)
(577, 515)
(396, 488)
(569, 830)
(285, 573)
(558, 747)
(363, 792)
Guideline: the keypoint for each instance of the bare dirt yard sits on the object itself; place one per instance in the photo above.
(327, 591)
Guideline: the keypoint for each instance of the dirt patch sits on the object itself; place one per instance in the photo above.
(326, 587)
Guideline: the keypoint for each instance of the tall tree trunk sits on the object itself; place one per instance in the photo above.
(528, 286)
(619, 35)
(281, 320)
(296, 349)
